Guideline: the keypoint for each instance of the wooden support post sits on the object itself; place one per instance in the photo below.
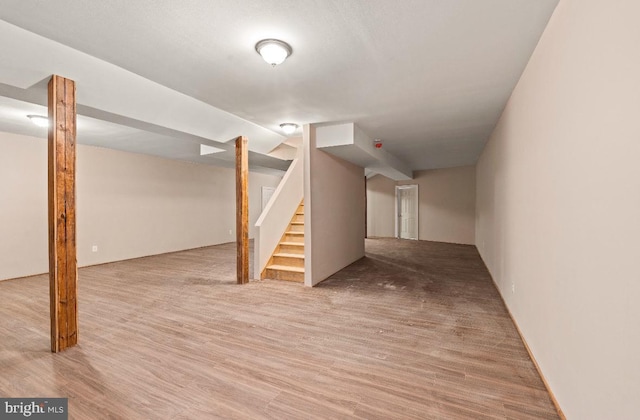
(63, 268)
(242, 209)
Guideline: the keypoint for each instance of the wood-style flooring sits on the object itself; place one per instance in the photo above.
(416, 330)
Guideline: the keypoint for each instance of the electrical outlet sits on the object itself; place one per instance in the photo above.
(230, 231)
(513, 288)
(94, 248)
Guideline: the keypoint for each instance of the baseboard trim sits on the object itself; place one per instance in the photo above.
(531, 356)
(125, 259)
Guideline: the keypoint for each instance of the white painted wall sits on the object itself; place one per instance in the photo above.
(334, 211)
(558, 207)
(447, 203)
(275, 218)
(381, 199)
(129, 205)
(23, 206)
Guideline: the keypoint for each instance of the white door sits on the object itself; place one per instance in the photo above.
(407, 211)
(267, 192)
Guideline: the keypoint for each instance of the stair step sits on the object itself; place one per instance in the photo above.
(293, 232)
(289, 255)
(285, 268)
(294, 238)
(297, 223)
(282, 272)
(288, 259)
(291, 248)
(296, 228)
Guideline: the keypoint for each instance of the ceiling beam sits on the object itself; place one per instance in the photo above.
(113, 89)
(347, 141)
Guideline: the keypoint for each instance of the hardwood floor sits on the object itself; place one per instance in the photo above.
(414, 330)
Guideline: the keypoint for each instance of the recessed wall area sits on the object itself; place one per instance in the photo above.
(446, 209)
(128, 205)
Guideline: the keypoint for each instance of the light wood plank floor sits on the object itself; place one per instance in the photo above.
(415, 330)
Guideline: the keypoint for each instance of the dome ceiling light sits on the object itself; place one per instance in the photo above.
(289, 128)
(39, 120)
(274, 51)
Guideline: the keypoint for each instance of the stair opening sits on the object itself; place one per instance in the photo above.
(287, 261)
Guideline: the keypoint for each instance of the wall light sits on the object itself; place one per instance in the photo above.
(273, 51)
(289, 128)
(39, 120)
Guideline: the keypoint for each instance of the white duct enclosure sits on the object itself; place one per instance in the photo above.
(350, 143)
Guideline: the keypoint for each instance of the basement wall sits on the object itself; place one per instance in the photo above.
(447, 204)
(129, 205)
(558, 207)
(381, 207)
(334, 211)
(446, 210)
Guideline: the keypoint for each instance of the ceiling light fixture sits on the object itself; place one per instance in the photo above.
(273, 51)
(39, 120)
(289, 128)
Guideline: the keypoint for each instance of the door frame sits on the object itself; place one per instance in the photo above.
(416, 209)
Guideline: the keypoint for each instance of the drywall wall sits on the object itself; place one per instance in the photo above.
(129, 205)
(558, 207)
(381, 202)
(23, 206)
(447, 208)
(447, 203)
(334, 211)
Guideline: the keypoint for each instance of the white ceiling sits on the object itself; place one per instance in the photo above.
(428, 77)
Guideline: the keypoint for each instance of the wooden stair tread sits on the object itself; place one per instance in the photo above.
(285, 268)
(288, 255)
(285, 264)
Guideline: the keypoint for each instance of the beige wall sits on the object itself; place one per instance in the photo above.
(23, 206)
(129, 205)
(381, 202)
(447, 205)
(558, 207)
(334, 212)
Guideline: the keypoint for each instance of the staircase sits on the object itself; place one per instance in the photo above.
(287, 262)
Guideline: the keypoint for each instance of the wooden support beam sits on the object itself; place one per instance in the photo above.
(63, 267)
(242, 209)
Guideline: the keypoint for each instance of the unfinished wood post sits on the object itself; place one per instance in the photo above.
(242, 209)
(63, 268)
